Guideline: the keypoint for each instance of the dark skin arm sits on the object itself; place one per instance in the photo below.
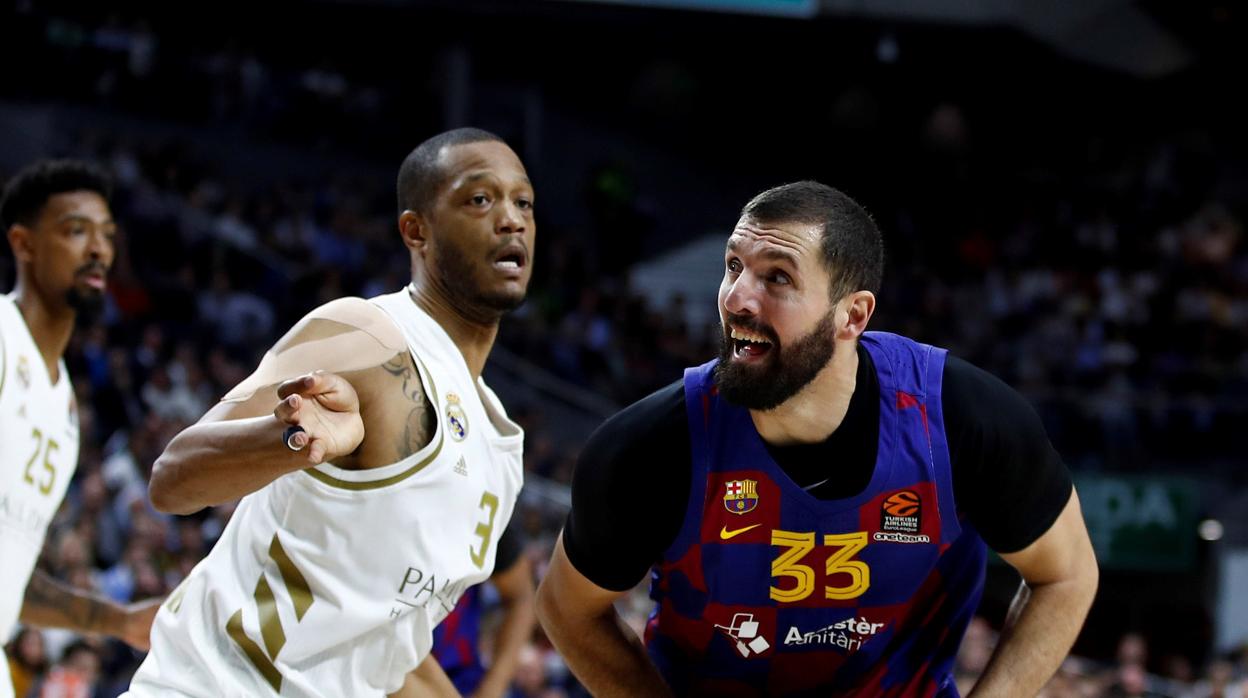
(230, 453)
(1060, 577)
(516, 592)
(580, 619)
(337, 374)
(425, 681)
(53, 604)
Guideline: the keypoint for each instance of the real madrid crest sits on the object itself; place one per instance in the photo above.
(456, 418)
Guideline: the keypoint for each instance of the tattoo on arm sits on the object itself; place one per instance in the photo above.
(401, 367)
(419, 425)
(50, 603)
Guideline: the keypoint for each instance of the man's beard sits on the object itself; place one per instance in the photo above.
(458, 276)
(781, 374)
(88, 304)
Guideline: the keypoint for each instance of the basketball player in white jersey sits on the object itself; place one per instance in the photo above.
(61, 231)
(376, 468)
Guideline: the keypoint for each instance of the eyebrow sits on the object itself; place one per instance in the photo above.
(771, 253)
(68, 217)
(478, 176)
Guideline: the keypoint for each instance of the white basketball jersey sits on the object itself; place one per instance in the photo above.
(329, 582)
(38, 455)
(6, 681)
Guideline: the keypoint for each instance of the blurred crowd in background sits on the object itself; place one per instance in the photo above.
(1108, 282)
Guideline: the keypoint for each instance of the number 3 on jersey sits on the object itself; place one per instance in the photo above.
(488, 501)
(789, 564)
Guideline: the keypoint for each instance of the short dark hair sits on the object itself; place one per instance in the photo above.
(420, 177)
(853, 248)
(29, 190)
(79, 645)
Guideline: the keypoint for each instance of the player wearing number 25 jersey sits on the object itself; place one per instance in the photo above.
(816, 505)
(57, 220)
(378, 468)
(39, 427)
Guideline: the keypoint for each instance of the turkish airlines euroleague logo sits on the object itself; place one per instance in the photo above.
(902, 512)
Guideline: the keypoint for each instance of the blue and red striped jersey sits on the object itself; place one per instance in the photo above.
(455, 642)
(769, 591)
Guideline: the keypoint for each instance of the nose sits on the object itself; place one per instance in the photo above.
(100, 247)
(510, 219)
(740, 297)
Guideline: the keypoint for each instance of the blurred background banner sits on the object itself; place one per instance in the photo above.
(1142, 523)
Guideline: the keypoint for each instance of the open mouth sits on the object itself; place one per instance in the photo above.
(511, 260)
(748, 345)
(95, 280)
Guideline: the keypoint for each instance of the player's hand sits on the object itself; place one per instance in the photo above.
(328, 409)
(136, 624)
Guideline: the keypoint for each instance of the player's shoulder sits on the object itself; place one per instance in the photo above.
(655, 419)
(970, 389)
(344, 335)
(359, 313)
(983, 411)
(348, 319)
(8, 311)
(11, 323)
(656, 411)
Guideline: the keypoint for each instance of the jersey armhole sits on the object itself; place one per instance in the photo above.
(697, 406)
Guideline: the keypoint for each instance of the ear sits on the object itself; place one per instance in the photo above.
(414, 229)
(21, 243)
(853, 314)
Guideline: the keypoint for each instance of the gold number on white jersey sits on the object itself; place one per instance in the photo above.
(488, 501)
(270, 624)
(45, 482)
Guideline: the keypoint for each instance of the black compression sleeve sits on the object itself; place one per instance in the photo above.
(630, 490)
(1007, 477)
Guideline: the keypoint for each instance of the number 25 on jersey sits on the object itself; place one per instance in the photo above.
(43, 478)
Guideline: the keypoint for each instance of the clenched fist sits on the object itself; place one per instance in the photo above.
(328, 409)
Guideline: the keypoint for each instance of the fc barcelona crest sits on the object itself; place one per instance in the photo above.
(741, 496)
(456, 419)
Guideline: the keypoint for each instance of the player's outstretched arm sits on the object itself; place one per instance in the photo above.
(51, 604)
(580, 619)
(1059, 581)
(310, 378)
(223, 457)
(516, 593)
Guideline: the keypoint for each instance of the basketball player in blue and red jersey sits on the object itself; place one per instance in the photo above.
(816, 505)
(457, 640)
